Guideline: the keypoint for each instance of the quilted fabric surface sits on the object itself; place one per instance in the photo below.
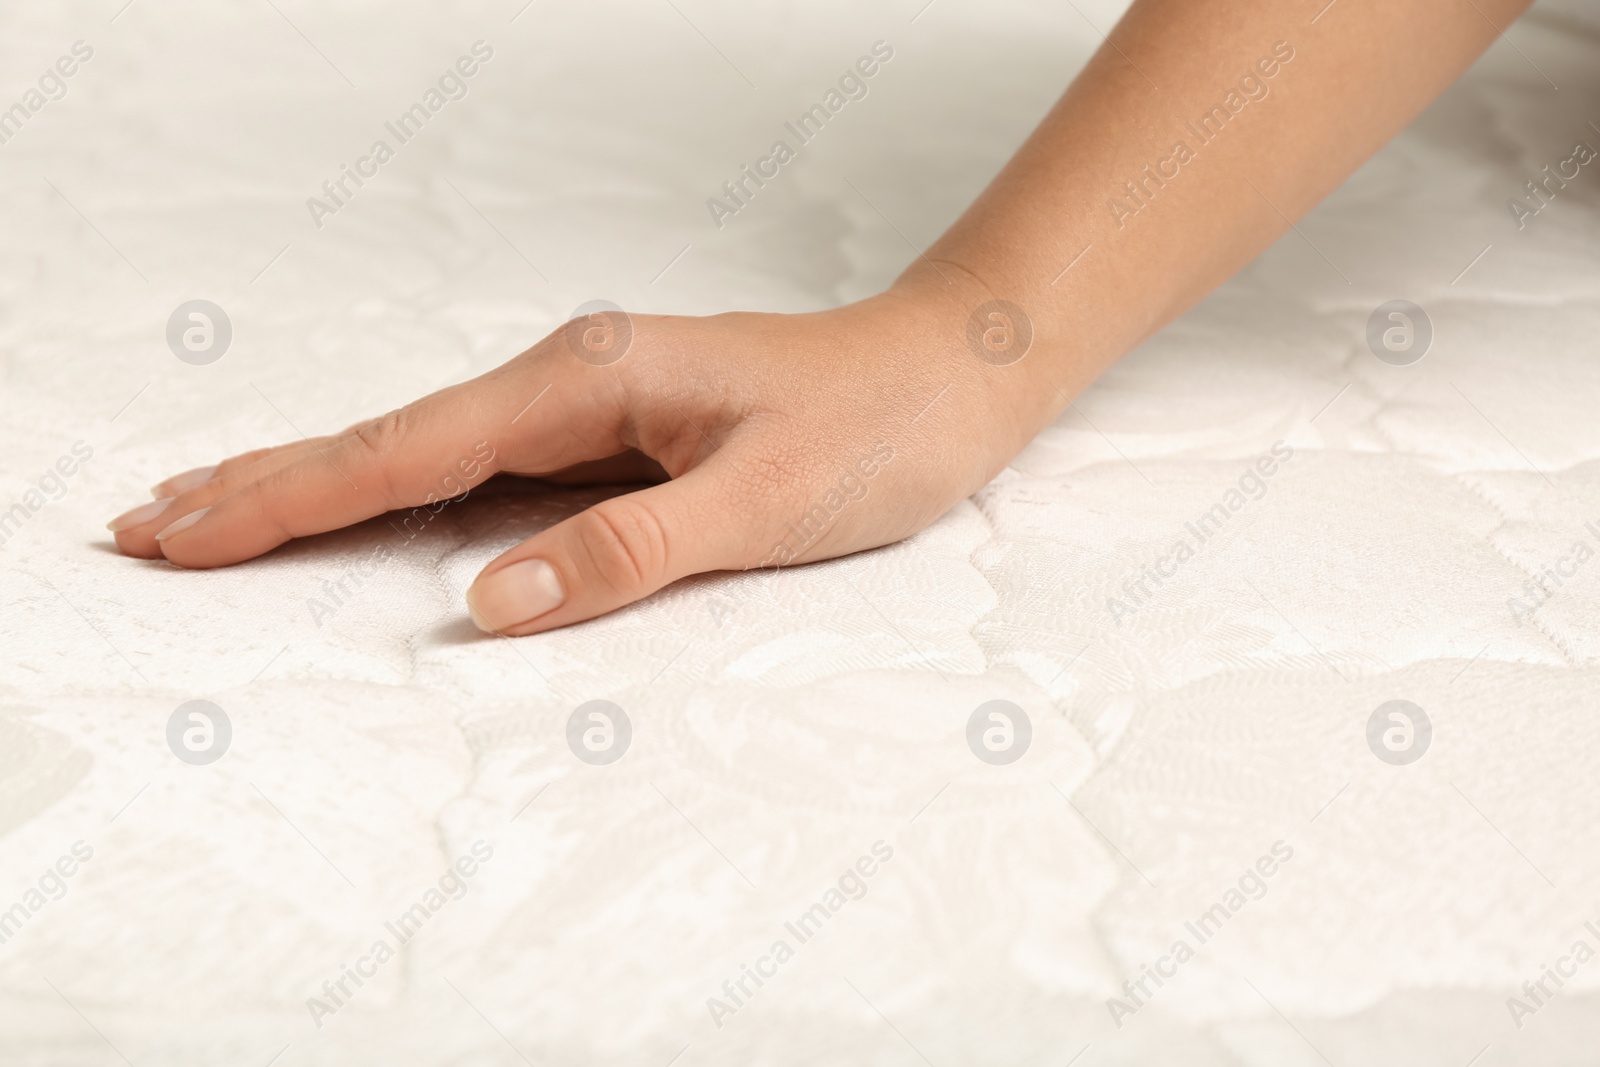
(1200, 765)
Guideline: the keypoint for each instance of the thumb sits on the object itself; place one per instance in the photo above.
(614, 553)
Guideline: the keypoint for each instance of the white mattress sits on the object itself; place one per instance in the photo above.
(784, 725)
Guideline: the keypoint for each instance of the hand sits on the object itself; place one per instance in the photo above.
(785, 439)
(789, 438)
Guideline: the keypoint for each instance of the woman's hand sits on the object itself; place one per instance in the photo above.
(786, 438)
(790, 438)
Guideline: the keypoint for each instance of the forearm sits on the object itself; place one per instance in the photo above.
(792, 438)
(1181, 151)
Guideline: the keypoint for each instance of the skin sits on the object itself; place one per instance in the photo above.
(754, 421)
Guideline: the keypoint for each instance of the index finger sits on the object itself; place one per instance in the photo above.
(428, 452)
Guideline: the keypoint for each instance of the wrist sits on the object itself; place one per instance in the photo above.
(1005, 337)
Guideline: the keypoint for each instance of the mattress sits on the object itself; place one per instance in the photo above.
(958, 800)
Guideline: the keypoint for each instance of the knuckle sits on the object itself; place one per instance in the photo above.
(375, 443)
(264, 501)
(626, 545)
(381, 434)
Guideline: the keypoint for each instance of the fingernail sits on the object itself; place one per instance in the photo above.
(182, 483)
(139, 515)
(182, 524)
(515, 594)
